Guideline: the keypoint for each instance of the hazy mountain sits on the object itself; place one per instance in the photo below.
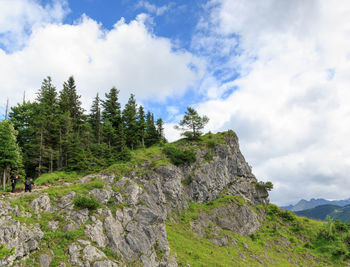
(321, 212)
(312, 203)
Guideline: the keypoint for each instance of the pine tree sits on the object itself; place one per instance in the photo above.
(160, 130)
(10, 153)
(69, 101)
(130, 122)
(191, 124)
(141, 125)
(151, 131)
(47, 125)
(72, 120)
(111, 108)
(95, 119)
(23, 117)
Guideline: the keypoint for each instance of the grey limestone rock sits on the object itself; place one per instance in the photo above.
(74, 252)
(42, 203)
(102, 195)
(133, 191)
(53, 225)
(45, 260)
(79, 216)
(66, 202)
(16, 235)
(95, 233)
(91, 253)
(105, 264)
(114, 229)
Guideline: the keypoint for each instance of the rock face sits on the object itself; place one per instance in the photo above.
(135, 231)
(13, 234)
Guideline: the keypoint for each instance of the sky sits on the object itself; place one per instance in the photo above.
(276, 72)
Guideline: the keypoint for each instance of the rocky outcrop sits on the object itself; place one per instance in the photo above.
(135, 230)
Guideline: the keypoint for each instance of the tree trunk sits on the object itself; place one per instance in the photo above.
(99, 135)
(60, 160)
(51, 161)
(41, 152)
(4, 179)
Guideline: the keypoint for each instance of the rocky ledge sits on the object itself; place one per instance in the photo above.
(129, 226)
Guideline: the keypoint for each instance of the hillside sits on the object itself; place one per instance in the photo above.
(321, 212)
(182, 204)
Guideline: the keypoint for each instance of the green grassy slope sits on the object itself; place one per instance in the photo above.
(283, 240)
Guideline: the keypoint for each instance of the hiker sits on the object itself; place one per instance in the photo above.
(28, 185)
(14, 182)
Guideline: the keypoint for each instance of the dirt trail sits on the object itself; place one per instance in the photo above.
(20, 191)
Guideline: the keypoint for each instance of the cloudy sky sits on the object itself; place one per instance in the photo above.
(276, 72)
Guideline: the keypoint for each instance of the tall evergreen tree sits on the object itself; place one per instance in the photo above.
(72, 120)
(130, 122)
(47, 125)
(141, 125)
(10, 153)
(95, 119)
(151, 131)
(69, 101)
(160, 130)
(23, 117)
(111, 108)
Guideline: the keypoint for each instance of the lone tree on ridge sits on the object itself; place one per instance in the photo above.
(191, 124)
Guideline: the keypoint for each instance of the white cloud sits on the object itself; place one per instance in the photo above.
(153, 9)
(291, 109)
(129, 57)
(19, 17)
(170, 132)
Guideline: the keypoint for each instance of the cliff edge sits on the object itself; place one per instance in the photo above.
(126, 225)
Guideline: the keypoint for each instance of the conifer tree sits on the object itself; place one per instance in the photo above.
(23, 117)
(95, 119)
(141, 125)
(71, 122)
(192, 123)
(10, 153)
(151, 131)
(111, 108)
(160, 130)
(69, 101)
(47, 125)
(130, 122)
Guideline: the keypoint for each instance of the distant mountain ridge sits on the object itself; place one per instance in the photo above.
(321, 212)
(312, 203)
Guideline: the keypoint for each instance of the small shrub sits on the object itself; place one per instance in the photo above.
(339, 251)
(5, 251)
(212, 143)
(346, 238)
(83, 202)
(187, 181)
(288, 216)
(308, 244)
(179, 156)
(264, 185)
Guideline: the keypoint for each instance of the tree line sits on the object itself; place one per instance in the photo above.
(54, 132)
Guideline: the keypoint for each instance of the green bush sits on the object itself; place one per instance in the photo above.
(5, 251)
(179, 156)
(82, 202)
(264, 185)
